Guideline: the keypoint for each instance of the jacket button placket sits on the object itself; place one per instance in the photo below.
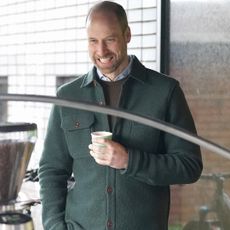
(109, 224)
(100, 100)
(110, 173)
(110, 191)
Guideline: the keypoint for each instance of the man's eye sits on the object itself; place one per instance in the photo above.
(110, 39)
(92, 41)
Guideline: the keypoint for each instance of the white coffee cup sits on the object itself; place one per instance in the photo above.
(101, 135)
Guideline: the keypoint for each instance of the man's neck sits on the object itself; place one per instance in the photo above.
(123, 72)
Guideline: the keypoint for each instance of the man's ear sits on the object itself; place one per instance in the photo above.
(128, 34)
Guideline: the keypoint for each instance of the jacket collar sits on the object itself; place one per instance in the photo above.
(138, 72)
(89, 78)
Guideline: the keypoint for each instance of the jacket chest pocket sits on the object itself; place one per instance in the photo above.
(77, 129)
(144, 137)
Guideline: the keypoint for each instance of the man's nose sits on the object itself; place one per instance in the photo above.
(102, 49)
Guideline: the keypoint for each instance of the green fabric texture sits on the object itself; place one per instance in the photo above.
(137, 198)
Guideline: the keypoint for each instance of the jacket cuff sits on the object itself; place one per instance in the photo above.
(134, 157)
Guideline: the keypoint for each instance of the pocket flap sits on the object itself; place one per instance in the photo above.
(81, 120)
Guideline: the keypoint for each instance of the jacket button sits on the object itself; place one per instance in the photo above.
(109, 189)
(109, 224)
(77, 124)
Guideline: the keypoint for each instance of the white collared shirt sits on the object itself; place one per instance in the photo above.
(122, 75)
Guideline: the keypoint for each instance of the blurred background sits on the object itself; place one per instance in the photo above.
(43, 45)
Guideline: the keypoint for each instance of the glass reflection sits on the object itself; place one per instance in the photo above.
(200, 60)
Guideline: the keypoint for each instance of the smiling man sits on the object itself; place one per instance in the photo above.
(124, 185)
(107, 39)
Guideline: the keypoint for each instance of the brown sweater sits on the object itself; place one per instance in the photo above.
(112, 91)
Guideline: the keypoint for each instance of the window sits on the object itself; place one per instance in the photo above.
(195, 51)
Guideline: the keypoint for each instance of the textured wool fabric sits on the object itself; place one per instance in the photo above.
(137, 198)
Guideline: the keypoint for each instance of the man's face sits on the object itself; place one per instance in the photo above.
(107, 43)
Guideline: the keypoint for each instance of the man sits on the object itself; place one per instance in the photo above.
(124, 185)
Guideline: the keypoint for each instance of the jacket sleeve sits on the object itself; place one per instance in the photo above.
(54, 170)
(179, 161)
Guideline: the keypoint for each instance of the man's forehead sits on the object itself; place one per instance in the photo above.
(102, 15)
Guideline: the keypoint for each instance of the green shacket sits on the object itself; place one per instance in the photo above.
(137, 198)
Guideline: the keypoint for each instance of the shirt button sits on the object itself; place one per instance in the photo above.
(77, 124)
(109, 189)
(109, 224)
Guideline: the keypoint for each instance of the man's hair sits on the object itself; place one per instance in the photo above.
(110, 7)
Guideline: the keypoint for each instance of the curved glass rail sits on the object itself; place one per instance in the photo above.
(155, 123)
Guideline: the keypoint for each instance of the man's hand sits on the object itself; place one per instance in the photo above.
(109, 153)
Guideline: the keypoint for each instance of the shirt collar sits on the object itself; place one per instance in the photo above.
(137, 72)
(122, 75)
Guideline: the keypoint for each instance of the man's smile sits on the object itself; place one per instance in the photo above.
(105, 60)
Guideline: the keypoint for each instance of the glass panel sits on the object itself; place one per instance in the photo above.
(199, 59)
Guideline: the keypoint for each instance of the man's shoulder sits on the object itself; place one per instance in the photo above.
(71, 87)
(161, 78)
(151, 76)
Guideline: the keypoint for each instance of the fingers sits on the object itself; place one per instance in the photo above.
(99, 146)
(98, 150)
(99, 154)
(110, 153)
(99, 158)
